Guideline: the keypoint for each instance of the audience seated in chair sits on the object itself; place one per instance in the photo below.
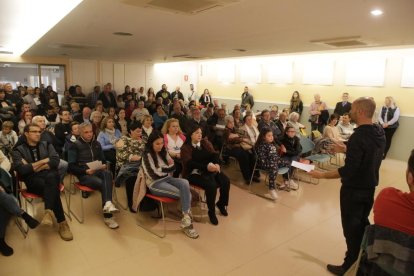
(268, 158)
(345, 127)
(239, 147)
(107, 137)
(173, 141)
(86, 150)
(201, 168)
(36, 162)
(395, 209)
(266, 122)
(50, 138)
(250, 130)
(8, 137)
(291, 149)
(9, 207)
(129, 150)
(158, 166)
(294, 121)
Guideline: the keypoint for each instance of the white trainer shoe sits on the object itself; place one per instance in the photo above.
(293, 185)
(111, 223)
(273, 194)
(109, 207)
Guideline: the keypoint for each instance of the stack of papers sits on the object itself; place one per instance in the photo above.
(95, 165)
(302, 166)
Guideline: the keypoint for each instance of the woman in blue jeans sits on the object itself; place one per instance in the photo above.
(158, 167)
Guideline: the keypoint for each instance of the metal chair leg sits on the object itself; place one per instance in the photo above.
(163, 224)
(115, 197)
(82, 218)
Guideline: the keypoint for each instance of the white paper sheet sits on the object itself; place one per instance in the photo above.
(95, 165)
(302, 166)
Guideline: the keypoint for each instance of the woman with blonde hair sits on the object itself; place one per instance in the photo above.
(173, 141)
(96, 119)
(388, 119)
(108, 136)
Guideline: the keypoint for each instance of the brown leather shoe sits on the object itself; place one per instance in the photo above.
(64, 231)
(48, 218)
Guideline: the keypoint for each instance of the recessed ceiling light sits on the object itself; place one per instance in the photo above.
(376, 12)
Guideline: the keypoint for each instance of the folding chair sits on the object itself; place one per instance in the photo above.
(81, 188)
(161, 200)
(281, 171)
(307, 148)
(202, 202)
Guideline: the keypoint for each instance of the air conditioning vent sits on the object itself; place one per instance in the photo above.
(188, 7)
(6, 52)
(180, 56)
(72, 46)
(343, 42)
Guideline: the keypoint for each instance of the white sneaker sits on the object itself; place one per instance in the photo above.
(186, 221)
(187, 226)
(282, 186)
(293, 185)
(111, 223)
(109, 207)
(273, 194)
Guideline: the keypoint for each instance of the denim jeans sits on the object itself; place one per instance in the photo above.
(102, 181)
(62, 168)
(8, 207)
(176, 188)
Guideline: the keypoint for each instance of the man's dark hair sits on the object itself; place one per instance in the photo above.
(346, 114)
(134, 125)
(63, 110)
(27, 127)
(264, 111)
(411, 163)
(211, 105)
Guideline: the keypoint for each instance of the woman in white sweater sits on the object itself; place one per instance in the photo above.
(158, 166)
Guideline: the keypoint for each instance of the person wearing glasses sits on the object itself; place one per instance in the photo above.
(36, 162)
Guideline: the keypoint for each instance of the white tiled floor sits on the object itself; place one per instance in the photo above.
(298, 235)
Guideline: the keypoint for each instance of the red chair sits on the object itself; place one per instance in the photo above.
(31, 197)
(202, 202)
(161, 201)
(81, 189)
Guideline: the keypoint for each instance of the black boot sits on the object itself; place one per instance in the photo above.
(5, 249)
(213, 218)
(30, 221)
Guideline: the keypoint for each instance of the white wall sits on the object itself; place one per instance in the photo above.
(89, 73)
(84, 73)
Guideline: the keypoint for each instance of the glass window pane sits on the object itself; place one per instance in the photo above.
(53, 75)
(19, 74)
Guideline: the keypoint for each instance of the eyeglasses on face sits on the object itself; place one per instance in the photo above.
(35, 131)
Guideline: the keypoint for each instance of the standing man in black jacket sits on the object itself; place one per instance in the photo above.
(359, 177)
(36, 162)
(247, 98)
(107, 98)
(344, 106)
